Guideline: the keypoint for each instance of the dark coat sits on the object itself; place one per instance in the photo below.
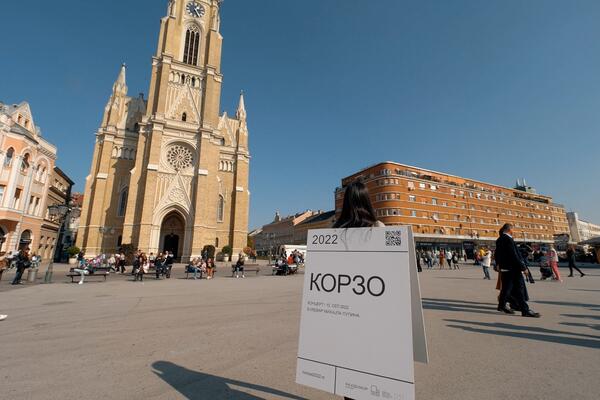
(507, 255)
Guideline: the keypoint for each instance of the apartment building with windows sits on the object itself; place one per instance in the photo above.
(581, 230)
(27, 183)
(451, 211)
(53, 232)
(282, 231)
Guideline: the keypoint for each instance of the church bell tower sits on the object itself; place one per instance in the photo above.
(188, 184)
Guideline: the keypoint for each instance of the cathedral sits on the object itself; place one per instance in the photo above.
(170, 172)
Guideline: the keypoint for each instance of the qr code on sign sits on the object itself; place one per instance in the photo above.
(393, 238)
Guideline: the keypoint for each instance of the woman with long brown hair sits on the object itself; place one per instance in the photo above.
(357, 211)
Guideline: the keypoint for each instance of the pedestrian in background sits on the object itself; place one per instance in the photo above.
(449, 258)
(23, 262)
(3, 263)
(429, 259)
(552, 257)
(572, 261)
(442, 257)
(455, 260)
(486, 263)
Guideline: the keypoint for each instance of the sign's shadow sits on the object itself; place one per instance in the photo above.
(200, 386)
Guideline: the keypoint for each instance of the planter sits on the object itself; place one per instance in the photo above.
(223, 257)
(73, 261)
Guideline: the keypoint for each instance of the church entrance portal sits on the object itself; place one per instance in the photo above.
(172, 233)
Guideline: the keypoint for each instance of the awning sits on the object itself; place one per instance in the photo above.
(592, 242)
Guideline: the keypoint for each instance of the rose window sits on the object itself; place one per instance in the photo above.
(180, 157)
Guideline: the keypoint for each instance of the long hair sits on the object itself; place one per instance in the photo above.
(357, 211)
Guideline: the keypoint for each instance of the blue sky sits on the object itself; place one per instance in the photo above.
(491, 90)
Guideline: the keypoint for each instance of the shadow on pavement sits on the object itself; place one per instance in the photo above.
(458, 306)
(581, 316)
(595, 307)
(459, 301)
(591, 326)
(457, 277)
(199, 386)
(528, 332)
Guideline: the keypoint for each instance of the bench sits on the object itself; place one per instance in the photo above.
(291, 269)
(74, 275)
(188, 273)
(247, 268)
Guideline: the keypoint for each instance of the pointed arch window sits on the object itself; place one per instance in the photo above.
(25, 163)
(184, 117)
(221, 209)
(192, 45)
(10, 154)
(123, 202)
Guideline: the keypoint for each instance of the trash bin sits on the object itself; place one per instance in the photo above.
(32, 275)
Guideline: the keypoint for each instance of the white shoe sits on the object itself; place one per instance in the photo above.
(3, 317)
(80, 283)
(243, 276)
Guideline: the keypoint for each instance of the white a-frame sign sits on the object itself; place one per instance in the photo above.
(362, 320)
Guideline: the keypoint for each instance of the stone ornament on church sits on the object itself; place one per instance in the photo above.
(177, 195)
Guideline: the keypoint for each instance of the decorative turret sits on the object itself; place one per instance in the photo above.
(115, 108)
(242, 133)
(120, 86)
(241, 110)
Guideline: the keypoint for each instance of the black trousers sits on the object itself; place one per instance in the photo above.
(573, 266)
(513, 290)
(19, 276)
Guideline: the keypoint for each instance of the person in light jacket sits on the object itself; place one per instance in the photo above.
(552, 259)
(486, 262)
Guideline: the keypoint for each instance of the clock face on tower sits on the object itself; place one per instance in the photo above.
(195, 9)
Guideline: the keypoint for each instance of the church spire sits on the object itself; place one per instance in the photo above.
(115, 108)
(241, 111)
(120, 86)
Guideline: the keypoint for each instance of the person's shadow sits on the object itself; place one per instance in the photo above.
(199, 386)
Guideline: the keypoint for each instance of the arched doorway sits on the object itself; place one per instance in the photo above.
(172, 234)
(25, 240)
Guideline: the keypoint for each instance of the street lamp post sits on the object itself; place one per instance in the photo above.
(57, 212)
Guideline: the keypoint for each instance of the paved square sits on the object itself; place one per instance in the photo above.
(237, 339)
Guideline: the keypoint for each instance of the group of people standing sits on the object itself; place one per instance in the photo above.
(21, 262)
(288, 264)
(438, 258)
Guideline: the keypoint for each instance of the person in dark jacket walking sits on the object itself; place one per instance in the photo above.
(511, 267)
(23, 262)
(572, 261)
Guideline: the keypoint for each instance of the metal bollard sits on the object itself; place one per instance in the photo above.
(48, 277)
(32, 275)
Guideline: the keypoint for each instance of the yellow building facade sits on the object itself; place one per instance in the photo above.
(170, 172)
